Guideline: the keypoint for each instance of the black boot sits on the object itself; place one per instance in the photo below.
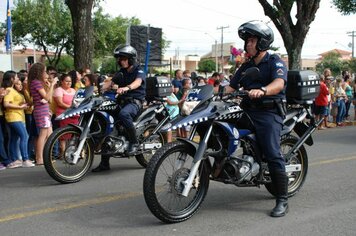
(280, 181)
(133, 143)
(104, 164)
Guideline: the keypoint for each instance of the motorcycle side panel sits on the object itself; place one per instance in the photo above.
(109, 120)
(300, 128)
(234, 135)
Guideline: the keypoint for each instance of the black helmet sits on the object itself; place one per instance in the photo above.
(126, 51)
(259, 30)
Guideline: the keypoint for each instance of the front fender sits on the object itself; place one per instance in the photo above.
(193, 145)
(77, 127)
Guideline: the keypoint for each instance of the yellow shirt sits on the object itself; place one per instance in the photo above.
(78, 85)
(15, 98)
(29, 101)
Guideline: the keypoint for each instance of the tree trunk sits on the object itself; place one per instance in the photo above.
(81, 11)
(293, 35)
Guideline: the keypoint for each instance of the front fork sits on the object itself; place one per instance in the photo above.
(198, 157)
(83, 137)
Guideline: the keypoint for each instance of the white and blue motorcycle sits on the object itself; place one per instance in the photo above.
(97, 133)
(221, 147)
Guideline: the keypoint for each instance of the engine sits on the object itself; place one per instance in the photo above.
(243, 168)
(114, 145)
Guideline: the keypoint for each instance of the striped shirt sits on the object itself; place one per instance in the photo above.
(41, 110)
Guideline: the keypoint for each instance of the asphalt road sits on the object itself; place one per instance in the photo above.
(111, 203)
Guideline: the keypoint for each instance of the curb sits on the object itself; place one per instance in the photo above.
(350, 123)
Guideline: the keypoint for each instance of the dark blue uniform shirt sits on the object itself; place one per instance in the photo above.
(177, 83)
(128, 78)
(271, 67)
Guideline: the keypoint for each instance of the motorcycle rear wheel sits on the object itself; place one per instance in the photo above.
(58, 162)
(162, 184)
(296, 179)
(144, 158)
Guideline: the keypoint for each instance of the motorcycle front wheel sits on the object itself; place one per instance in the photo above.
(163, 183)
(297, 178)
(158, 138)
(58, 155)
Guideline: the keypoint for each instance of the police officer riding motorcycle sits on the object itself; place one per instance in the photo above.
(130, 88)
(265, 102)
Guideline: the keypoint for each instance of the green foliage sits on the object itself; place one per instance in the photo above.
(110, 32)
(352, 65)
(65, 64)
(206, 66)
(2, 31)
(331, 60)
(346, 7)
(46, 23)
(106, 65)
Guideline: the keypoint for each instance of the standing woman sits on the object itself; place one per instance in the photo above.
(15, 104)
(349, 93)
(28, 115)
(63, 96)
(36, 80)
(76, 76)
(341, 98)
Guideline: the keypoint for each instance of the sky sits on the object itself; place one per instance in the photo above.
(192, 25)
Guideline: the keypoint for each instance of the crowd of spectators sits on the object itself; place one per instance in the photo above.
(29, 103)
(334, 101)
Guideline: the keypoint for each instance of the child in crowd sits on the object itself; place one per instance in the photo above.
(37, 79)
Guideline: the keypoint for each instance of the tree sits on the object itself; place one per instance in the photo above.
(346, 7)
(293, 34)
(332, 61)
(2, 31)
(81, 12)
(109, 32)
(65, 64)
(206, 66)
(107, 65)
(352, 65)
(43, 22)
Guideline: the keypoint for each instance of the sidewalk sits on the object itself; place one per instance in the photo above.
(351, 121)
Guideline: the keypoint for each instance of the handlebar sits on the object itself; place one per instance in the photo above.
(240, 93)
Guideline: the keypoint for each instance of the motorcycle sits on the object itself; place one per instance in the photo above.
(97, 133)
(177, 177)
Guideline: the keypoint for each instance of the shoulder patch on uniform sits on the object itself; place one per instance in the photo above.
(279, 64)
(280, 72)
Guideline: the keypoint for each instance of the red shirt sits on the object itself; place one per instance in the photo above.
(322, 98)
(211, 81)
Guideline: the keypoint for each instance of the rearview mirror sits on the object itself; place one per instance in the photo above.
(251, 73)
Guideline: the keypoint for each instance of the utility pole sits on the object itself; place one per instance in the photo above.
(352, 34)
(216, 51)
(222, 45)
